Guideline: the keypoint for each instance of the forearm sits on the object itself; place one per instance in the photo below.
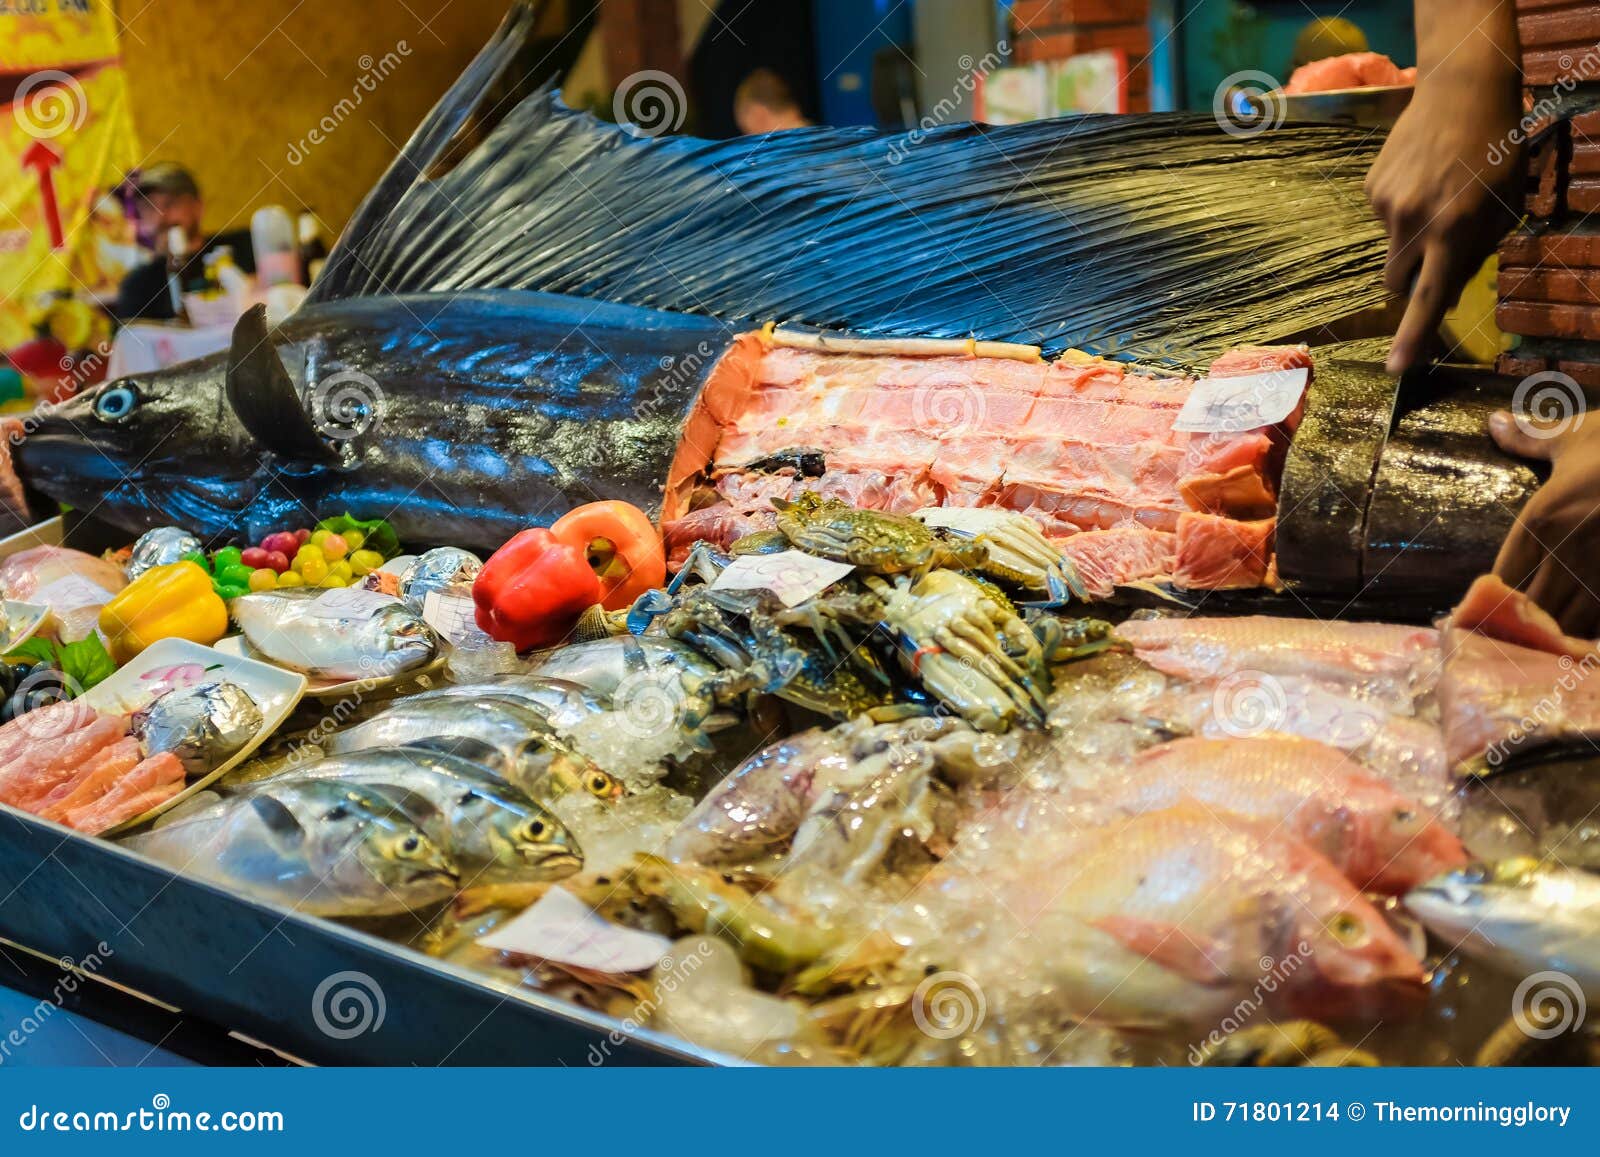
(1474, 39)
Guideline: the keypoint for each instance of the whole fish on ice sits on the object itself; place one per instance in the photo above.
(354, 635)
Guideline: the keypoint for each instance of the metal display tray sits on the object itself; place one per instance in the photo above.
(311, 988)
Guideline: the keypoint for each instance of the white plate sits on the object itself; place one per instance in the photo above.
(167, 664)
(21, 621)
(335, 688)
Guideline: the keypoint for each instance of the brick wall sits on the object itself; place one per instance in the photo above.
(1549, 282)
(1053, 29)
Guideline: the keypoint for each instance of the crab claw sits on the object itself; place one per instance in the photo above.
(646, 609)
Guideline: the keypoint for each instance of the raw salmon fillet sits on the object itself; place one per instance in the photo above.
(40, 768)
(126, 793)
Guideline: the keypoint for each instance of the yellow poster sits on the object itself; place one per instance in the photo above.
(66, 139)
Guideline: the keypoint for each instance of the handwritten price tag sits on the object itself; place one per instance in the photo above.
(350, 603)
(793, 575)
(1247, 402)
(455, 617)
(561, 927)
(968, 520)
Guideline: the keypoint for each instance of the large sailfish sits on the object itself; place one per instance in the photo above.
(523, 312)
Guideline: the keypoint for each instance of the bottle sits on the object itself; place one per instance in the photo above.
(313, 251)
(177, 258)
(272, 237)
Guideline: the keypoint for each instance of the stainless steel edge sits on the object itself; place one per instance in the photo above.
(256, 968)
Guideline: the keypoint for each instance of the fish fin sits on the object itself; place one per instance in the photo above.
(1200, 959)
(263, 396)
(514, 64)
(278, 820)
(1137, 206)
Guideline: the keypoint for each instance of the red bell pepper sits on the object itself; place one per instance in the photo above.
(533, 589)
(621, 545)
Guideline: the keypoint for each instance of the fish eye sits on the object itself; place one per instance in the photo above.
(1348, 929)
(537, 829)
(600, 784)
(410, 845)
(337, 812)
(115, 403)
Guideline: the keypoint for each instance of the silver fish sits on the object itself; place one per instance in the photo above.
(563, 704)
(505, 738)
(325, 848)
(1520, 914)
(371, 638)
(445, 568)
(604, 665)
(494, 832)
(158, 547)
(203, 726)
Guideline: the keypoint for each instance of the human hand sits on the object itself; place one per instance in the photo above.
(1553, 551)
(1446, 184)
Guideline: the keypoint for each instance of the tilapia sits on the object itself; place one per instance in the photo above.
(202, 726)
(1381, 840)
(493, 832)
(1524, 916)
(319, 847)
(349, 638)
(506, 739)
(1391, 663)
(1169, 918)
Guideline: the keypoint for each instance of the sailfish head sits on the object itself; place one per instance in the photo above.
(193, 445)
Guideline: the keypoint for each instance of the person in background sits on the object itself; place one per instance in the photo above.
(763, 104)
(1447, 186)
(1324, 37)
(167, 197)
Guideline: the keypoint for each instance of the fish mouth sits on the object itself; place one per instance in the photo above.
(555, 865)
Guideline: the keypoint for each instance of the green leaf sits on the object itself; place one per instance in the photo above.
(34, 650)
(86, 661)
(379, 535)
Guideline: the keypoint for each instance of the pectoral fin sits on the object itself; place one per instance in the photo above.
(263, 395)
(1198, 958)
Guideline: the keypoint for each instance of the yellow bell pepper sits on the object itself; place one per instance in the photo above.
(175, 601)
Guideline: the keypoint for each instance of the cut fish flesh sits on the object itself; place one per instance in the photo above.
(1082, 446)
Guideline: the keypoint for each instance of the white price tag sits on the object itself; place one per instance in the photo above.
(562, 928)
(349, 603)
(793, 575)
(70, 592)
(970, 520)
(1246, 402)
(455, 617)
